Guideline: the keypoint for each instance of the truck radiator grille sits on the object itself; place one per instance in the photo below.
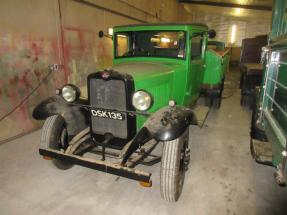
(108, 94)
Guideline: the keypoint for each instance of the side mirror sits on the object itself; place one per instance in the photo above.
(101, 34)
(211, 33)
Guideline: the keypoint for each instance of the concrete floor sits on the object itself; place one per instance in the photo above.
(223, 178)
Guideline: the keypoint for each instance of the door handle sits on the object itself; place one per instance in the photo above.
(203, 65)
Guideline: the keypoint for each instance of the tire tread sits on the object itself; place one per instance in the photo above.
(170, 170)
(50, 128)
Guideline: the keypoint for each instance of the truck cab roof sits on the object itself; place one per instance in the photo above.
(165, 24)
(162, 26)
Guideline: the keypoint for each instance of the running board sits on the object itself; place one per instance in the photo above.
(261, 152)
(99, 165)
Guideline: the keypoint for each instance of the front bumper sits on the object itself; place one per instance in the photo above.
(99, 165)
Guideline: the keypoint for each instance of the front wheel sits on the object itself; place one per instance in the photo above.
(55, 136)
(175, 158)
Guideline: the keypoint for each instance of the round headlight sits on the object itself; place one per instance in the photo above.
(69, 93)
(142, 100)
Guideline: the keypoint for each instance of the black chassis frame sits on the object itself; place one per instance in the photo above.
(168, 123)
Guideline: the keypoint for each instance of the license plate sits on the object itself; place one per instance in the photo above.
(107, 114)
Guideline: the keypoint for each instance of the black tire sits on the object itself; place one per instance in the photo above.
(208, 101)
(255, 131)
(54, 136)
(216, 102)
(280, 179)
(213, 101)
(252, 100)
(242, 79)
(173, 167)
(245, 101)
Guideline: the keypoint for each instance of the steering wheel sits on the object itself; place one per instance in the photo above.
(133, 52)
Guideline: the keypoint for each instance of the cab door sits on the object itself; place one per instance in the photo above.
(197, 65)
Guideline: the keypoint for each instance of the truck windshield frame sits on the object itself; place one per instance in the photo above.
(150, 43)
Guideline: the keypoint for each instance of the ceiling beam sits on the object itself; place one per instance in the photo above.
(225, 4)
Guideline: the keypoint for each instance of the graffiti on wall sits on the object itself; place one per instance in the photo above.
(24, 62)
(84, 53)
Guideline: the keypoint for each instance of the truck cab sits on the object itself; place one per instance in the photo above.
(166, 59)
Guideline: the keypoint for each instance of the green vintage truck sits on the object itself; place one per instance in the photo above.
(269, 117)
(144, 100)
(217, 63)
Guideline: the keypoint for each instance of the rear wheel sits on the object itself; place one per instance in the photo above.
(208, 101)
(280, 178)
(216, 102)
(245, 101)
(55, 136)
(175, 158)
(213, 101)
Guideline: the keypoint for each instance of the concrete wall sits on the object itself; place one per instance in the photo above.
(37, 33)
(29, 43)
(246, 28)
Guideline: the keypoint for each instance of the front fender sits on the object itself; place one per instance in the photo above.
(166, 124)
(169, 123)
(76, 117)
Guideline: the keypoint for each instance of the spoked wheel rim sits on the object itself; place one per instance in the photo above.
(182, 164)
(63, 140)
(62, 145)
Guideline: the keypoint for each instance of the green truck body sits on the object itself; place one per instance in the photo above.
(217, 63)
(143, 100)
(269, 124)
(166, 78)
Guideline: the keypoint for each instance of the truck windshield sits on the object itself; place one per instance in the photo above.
(170, 44)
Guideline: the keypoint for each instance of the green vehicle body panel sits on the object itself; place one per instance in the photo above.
(219, 45)
(278, 23)
(157, 79)
(273, 92)
(216, 66)
(165, 78)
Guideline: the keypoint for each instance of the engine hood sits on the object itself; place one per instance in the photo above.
(163, 80)
(159, 79)
(141, 71)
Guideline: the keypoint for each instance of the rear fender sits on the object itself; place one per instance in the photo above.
(76, 117)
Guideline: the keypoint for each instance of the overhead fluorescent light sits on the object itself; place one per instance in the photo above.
(233, 33)
(238, 11)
